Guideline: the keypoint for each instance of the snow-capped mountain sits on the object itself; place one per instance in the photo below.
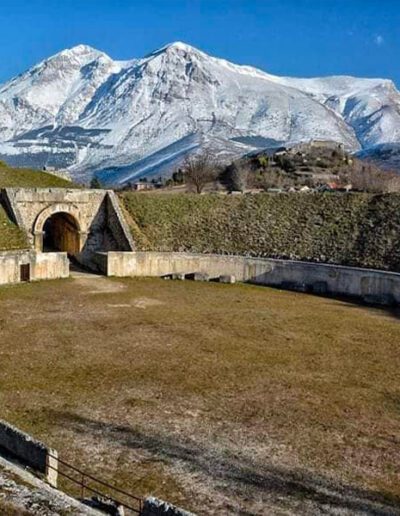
(83, 111)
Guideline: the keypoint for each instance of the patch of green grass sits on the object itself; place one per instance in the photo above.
(11, 236)
(29, 178)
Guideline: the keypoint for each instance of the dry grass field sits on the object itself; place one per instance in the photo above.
(224, 399)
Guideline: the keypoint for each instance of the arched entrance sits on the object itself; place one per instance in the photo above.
(59, 228)
(61, 233)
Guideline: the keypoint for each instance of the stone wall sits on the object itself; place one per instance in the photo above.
(42, 265)
(31, 207)
(118, 226)
(49, 266)
(29, 451)
(370, 285)
(358, 230)
(155, 507)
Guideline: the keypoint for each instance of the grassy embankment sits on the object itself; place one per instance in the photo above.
(11, 236)
(355, 229)
(28, 178)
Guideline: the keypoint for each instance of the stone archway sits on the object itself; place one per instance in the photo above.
(61, 233)
(86, 224)
(57, 228)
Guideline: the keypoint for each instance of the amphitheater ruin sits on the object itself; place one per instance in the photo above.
(73, 332)
(88, 227)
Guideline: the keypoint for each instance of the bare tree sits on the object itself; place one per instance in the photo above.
(199, 170)
(239, 176)
(366, 177)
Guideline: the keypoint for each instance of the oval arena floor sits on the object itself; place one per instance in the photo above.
(223, 399)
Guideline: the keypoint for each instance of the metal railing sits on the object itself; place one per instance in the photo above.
(84, 481)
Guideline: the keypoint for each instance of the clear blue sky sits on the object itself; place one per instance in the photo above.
(284, 37)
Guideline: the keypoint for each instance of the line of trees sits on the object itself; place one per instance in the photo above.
(203, 169)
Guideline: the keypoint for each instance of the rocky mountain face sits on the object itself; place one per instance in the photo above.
(83, 111)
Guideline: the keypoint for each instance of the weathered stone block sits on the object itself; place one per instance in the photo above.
(155, 507)
(29, 451)
(178, 276)
(227, 278)
(105, 505)
(197, 276)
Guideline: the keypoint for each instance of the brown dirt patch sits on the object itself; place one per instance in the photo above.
(225, 399)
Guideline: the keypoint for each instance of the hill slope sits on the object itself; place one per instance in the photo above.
(356, 229)
(11, 236)
(29, 178)
(82, 110)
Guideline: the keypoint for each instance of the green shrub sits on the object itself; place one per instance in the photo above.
(263, 161)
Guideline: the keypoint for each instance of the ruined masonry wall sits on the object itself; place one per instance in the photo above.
(42, 265)
(373, 286)
(29, 451)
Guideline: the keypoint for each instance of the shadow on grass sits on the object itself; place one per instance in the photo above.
(355, 302)
(242, 474)
(392, 310)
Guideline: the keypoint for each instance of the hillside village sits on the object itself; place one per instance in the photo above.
(317, 166)
(313, 166)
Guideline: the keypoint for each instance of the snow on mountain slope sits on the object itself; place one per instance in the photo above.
(53, 90)
(370, 106)
(82, 110)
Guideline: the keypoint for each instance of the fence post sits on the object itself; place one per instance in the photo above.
(52, 467)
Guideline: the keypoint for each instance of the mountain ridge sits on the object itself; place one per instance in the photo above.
(82, 110)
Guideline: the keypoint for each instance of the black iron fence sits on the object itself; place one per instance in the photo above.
(88, 484)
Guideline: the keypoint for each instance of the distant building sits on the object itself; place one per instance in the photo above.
(334, 187)
(327, 144)
(142, 185)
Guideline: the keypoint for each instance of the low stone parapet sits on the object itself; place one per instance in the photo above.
(29, 452)
(380, 287)
(17, 266)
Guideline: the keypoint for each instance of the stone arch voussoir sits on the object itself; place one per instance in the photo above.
(57, 208)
